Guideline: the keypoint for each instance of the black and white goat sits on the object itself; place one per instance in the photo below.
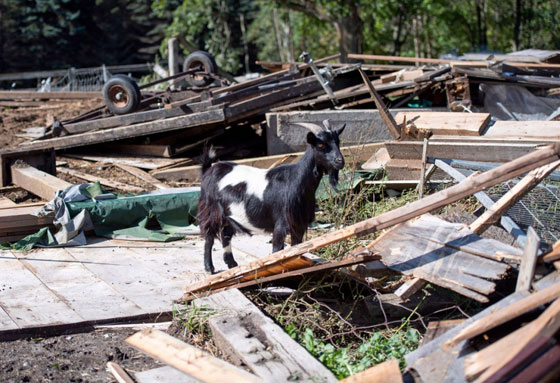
(243, 199)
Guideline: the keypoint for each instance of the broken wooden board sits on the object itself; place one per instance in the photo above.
(448, 123)
(524, 130)
(189, 359)
(252, 339)
(419, 248)
(436, 364)
(36, 181)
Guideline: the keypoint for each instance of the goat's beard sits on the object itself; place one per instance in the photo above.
(333, 179)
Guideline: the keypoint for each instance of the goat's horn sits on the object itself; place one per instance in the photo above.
(312, 127)
(327, 125)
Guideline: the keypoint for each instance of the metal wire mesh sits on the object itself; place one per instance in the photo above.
(87, 79)
(540, 208)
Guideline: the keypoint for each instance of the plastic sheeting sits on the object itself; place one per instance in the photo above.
(510, 102)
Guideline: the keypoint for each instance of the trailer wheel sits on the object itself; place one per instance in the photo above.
(203, 60)
(121, 94)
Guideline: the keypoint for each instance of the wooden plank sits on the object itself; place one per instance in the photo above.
(150, 291)
(188, 359)
(144, 176)
(102, 181)
(544, 326)
(507, 313)
(248, 336)
(524, 129)
(37, 182)
(447, 123)
(485, 152)
(42, 159)
(438, 328)
(393, 217)
(77, 286)
(529, 263)
(26, 300)
(164, 374)
(392, 126)
(143, 129)
(482, 64)
(20, 217)
(493, 214)
(409, 288)
(386, 372)
(354, 153)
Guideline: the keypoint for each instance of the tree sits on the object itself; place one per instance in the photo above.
(344, 15)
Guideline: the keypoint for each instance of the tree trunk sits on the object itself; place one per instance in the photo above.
(350, 35)
(517, 26)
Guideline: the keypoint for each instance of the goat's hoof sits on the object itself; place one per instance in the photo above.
(232, 264)
(210, 270)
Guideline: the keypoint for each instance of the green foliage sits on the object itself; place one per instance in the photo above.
(346, 361)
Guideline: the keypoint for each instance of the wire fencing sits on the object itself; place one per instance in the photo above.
(86, 79)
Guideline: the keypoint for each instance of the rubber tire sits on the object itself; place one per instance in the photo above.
(208, 63)
(129, 87)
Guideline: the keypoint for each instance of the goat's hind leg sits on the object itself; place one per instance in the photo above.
(227, 234)
(208, 243)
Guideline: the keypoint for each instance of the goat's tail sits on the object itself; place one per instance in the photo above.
(208, 157)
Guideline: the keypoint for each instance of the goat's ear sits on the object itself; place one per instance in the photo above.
(312, 139)
(339, 131)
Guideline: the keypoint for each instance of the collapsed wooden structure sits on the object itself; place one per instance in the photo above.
(159, 145)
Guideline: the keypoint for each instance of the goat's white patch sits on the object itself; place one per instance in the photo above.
(254, 178)
(239, 215)
(227, 249)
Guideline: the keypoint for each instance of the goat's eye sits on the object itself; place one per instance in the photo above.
(321, 146)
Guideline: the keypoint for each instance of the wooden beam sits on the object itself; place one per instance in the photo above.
(143, 129)
(386, 372)
(414, 209)
(507, 313)
(392, 126)
(36, 181)
(447, 123)
(529, 262)
(102, 181)
(497, 210)
(490, 360)
(189, 359)
(423, 169)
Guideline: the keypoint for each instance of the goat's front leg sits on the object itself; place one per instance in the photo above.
(227, 234)
(279, 236)
(296, 236)
(209, 242)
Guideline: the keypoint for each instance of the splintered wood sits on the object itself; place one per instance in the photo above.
(469, 186)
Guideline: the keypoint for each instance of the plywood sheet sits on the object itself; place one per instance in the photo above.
(448, 123)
